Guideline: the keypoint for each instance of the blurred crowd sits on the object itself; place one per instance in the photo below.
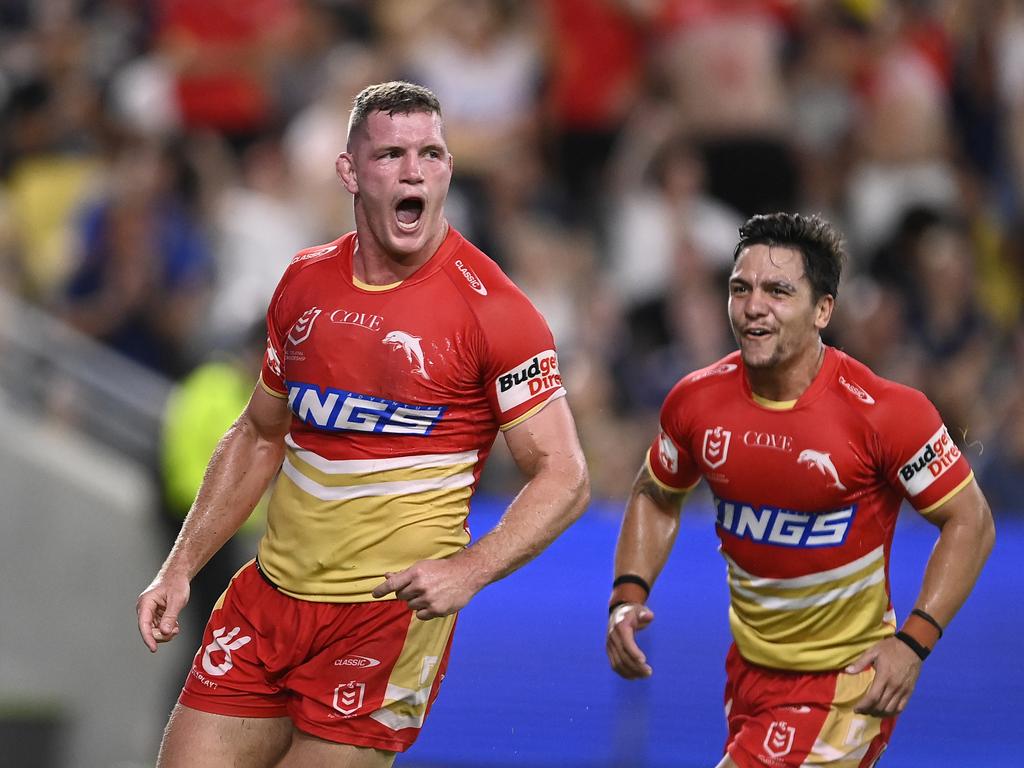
(162, 160)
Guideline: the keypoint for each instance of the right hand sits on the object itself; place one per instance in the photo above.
(623, 652)
(158, 608)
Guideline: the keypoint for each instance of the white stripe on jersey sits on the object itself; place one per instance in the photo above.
(393, 488)
(810, 580)
(774, 603)
(366, 466)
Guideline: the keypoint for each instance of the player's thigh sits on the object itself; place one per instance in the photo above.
(195, 739)
(307, 750)
(727, 763)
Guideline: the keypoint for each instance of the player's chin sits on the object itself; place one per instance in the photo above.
(756, 357)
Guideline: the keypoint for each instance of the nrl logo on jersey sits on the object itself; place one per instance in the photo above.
(716, 446)
(303, 326)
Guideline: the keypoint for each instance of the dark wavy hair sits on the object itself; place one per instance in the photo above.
(820, 244)
(396, 98)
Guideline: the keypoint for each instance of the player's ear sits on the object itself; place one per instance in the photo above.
(346, 169)
(823, 311)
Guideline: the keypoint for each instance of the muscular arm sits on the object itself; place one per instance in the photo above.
(648, 533)
(239, 472)
(547, 450)
(966, 536)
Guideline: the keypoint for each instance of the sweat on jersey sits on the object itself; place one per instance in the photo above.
(806, 496)
(396, 393)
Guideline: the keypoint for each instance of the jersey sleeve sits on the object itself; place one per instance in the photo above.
(272, 375)
(921, 459)
(668, 459)
(520, 367)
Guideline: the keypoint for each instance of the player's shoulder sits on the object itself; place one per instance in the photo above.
(315, 256)
(876, 396)
(721, 373)
(479, 280)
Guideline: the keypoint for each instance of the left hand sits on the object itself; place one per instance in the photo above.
(432, 588)
(896, 671)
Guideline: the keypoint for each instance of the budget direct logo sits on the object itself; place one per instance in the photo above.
(530, 378)
(929, 463)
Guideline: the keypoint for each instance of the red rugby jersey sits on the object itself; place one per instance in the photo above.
(807, 495)
(397, 393)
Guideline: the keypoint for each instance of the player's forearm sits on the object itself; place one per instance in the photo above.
(549, 503)
(963, 547)
(238, 474)
(646, 538)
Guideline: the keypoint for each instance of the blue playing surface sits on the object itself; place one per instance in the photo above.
(529, 685)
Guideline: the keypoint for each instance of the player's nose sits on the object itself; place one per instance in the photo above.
(412, 169)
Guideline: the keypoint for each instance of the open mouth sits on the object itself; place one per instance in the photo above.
(408, 212)
(756, 333)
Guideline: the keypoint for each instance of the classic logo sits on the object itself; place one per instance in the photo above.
(313, 254)
(474, 282)
(348, 697)
(716, 446)
(273, 361)
(363, 662)
(776, 442)
(223, 644)
(528, 379)
(362, 319)
(930, 462)
(718, 370)
(406, 342)
(303, 326)
(858, 391)
(668, 454)
(784, 527)
(779, 739)
(823, 463)
(338, 409)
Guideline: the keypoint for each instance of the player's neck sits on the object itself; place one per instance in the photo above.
(789, 380)
(373, 264)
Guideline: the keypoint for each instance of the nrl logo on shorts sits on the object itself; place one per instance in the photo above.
(779, 739)
(348, 697)
(303, 326)
(716, 446)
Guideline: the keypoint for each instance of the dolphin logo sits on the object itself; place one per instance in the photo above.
(411, 346)
(823, 462)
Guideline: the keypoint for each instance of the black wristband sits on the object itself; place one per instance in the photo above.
(631, 578)
(929, 619)
(921, 651)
